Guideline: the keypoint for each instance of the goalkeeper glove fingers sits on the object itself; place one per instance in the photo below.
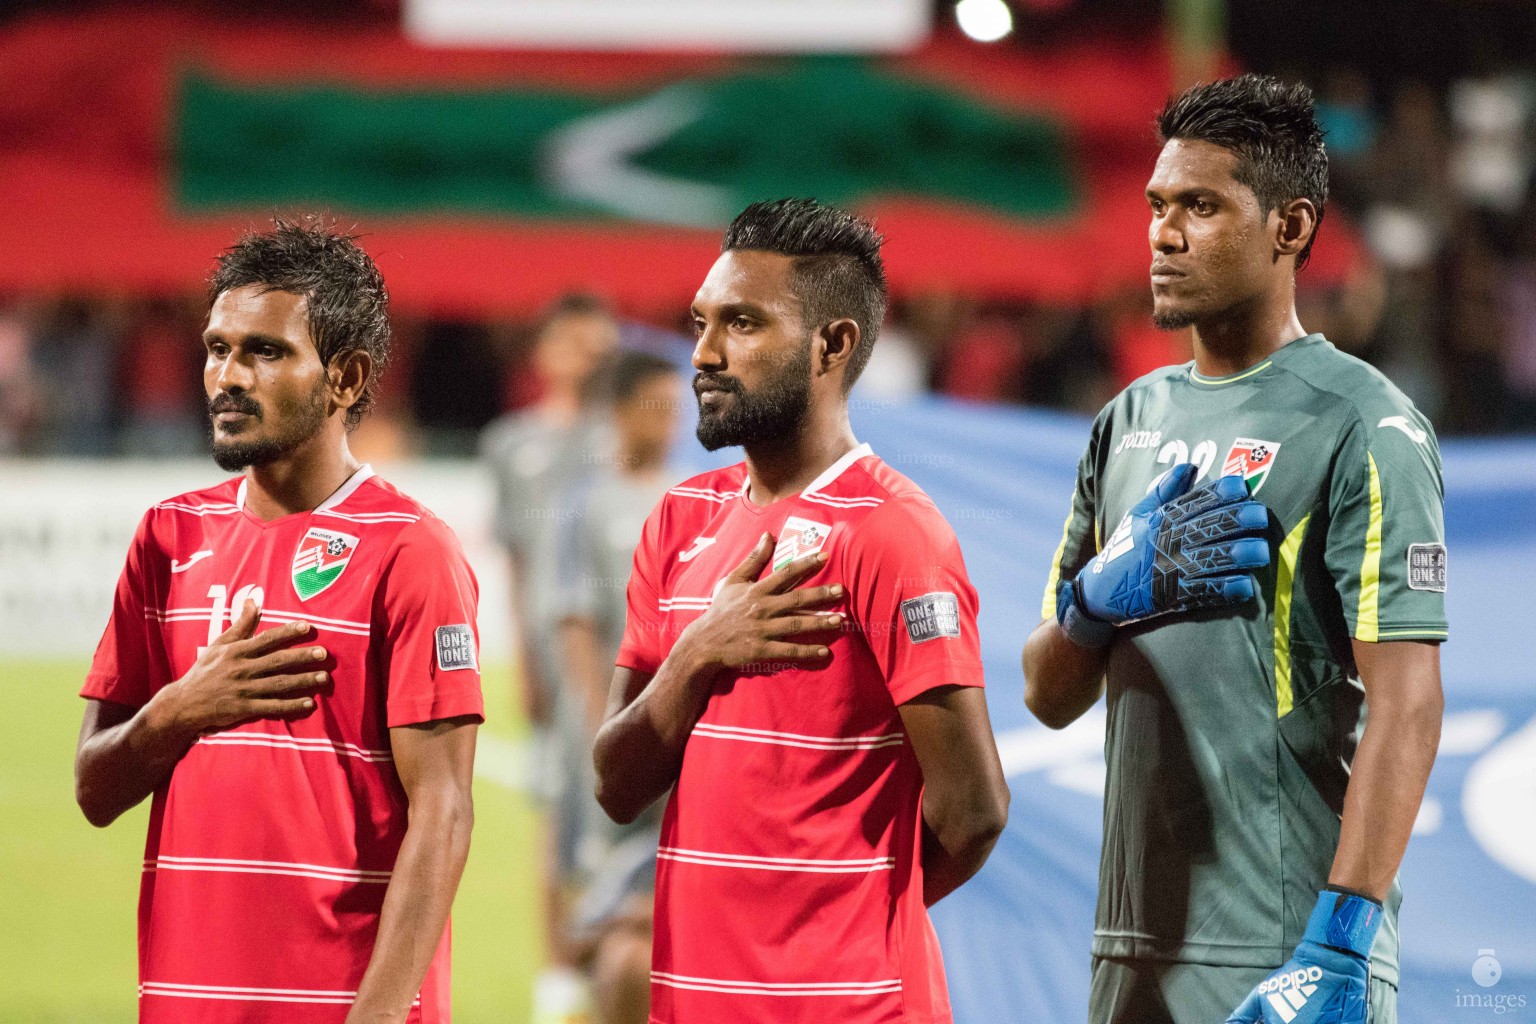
(1178, 549)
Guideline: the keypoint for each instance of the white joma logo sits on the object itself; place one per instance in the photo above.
(1415, 435)
(192, 559)
(699, 544)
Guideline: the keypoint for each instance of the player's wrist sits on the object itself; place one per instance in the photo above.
(1082, 628)
(1345, 920)
(168, 718)
(694, 661)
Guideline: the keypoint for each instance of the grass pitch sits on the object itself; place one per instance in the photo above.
(69, 892)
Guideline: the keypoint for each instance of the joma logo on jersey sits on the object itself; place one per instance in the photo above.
(1138, 439)
(1252, 460)
(321, 558)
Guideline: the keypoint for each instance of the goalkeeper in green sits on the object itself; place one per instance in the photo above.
(1255, 556)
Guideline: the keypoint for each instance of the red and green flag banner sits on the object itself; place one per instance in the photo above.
(138, 145)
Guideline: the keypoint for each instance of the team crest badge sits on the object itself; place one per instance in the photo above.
(321, 558)
(1252, 460)
(800, 537)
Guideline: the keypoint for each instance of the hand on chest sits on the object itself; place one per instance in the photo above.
(696, 571)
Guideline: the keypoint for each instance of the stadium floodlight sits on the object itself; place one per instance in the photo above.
(985, 21)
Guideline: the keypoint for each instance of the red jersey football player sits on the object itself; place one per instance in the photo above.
(800, 667)
(290, 671)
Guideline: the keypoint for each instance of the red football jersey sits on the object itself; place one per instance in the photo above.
(789, 884)
(271, 846)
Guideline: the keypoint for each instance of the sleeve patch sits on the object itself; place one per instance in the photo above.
(931, 616)
(1426, 567)
(455, 647)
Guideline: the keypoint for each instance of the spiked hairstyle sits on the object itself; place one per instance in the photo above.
(1273, 129)
(837, 270)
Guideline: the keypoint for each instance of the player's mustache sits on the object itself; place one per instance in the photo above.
(226, 402)
(705, 381)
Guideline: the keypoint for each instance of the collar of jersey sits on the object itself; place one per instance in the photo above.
(1252, 371)
(828, 475)
(338, 496)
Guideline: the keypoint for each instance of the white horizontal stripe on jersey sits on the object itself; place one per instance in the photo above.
(777, 988)
(367, 518)
(823, 499)
(315, 744)
(199, 510)
(267, 615)
(792, 739)
(225, 865)
(668, 604)
(260, 995)
(318, 621)
(737, 860)
(705, 493)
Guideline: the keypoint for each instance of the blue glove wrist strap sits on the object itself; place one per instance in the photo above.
(1081, 628)
(1344, 921)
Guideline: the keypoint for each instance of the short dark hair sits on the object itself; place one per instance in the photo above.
(837, 270)
(633, 368)
(573, 304)
(1273, 129)
(347, 305)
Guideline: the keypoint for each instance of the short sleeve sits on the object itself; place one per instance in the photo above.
(426, 610)
(641, 648)
(1079, 534)
(124, 666)
(912, 599)
(1386, 546)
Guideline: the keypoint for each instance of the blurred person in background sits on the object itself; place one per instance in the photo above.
(158, 384)
(310, 780)
(536, 457)
(827, 784)
(20, 396)
(74, 354)
(1407, 225)
(610, 923)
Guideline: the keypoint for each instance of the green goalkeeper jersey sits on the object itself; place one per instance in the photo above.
(1230, 732)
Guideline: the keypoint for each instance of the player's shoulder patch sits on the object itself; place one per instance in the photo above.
(1427, 565)
(455, 647)
(931, 616)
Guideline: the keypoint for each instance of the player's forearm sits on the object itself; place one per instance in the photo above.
(1386, 787)
(958, 847)
(116, 767)
(1061, 679)
(639, 749)
(416, 905)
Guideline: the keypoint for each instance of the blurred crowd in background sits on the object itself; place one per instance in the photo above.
(1433, 175)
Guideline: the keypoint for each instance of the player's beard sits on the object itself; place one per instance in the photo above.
(775, 410)
(299, 421)
(1174, 319)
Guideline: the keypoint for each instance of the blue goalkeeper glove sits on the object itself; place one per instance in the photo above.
(1176, 550)
(1327, 980)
